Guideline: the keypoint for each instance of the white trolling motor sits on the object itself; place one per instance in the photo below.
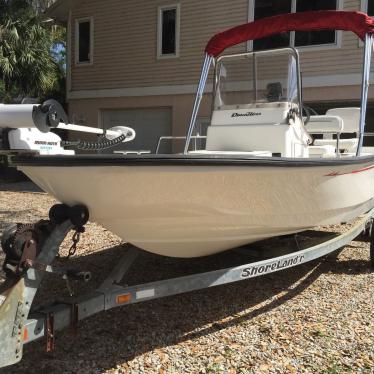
(27, 127)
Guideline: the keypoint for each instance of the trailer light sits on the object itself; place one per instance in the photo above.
(125, 298)
(25, 334)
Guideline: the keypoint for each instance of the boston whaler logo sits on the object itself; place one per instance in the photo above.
(256, 270)
(248, 114)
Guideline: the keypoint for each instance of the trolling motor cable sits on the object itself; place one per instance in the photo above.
(94, 146)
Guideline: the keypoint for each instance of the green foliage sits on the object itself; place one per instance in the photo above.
(2, 89)
(30, 62)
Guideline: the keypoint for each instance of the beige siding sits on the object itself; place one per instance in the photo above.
(125, 56)
(326, 60)
(90, 110)
(125, 41)
(345, 60)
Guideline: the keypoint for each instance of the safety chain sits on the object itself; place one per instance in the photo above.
(76, 239)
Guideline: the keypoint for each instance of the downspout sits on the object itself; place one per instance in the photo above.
(69, 55)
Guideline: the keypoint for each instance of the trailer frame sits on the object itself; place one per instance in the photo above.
(20, 325)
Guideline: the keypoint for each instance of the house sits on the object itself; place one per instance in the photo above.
(138, 61)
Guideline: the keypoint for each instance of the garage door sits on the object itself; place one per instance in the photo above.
(149, 124)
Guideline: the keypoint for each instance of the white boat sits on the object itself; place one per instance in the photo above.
(261, 172)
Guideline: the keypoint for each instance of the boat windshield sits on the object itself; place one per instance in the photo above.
(253, 78)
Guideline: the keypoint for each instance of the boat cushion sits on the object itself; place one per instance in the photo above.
(345, 144)
(350, 117)
(325, 125)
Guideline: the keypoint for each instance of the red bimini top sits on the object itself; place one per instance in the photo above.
(357, 22)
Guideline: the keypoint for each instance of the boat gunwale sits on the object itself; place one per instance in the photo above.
(180, 159)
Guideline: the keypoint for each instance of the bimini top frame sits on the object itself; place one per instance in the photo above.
(359, 23)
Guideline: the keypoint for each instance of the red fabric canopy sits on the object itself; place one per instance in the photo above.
(357, 22)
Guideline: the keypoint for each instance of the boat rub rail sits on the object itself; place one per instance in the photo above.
(195, 160)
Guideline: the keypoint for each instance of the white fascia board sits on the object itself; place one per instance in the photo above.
(136, 91)
(333, 80)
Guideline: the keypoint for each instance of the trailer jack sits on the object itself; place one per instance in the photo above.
(19, 326)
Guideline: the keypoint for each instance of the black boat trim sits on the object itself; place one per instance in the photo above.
(176, 160)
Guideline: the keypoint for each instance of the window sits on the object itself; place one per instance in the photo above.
(371, 9)
(367, 6)
(266, 8)
(315, 37)
(168, 31)
(84, 41)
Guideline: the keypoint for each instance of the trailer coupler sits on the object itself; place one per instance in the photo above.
(30, 251)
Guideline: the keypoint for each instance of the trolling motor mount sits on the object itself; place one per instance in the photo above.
(48, 115)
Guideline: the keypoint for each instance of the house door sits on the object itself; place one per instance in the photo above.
(149, 123)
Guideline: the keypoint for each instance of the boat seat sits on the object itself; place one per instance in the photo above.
(325, 125)
(345, 145)
(350, 117)
(351, 121)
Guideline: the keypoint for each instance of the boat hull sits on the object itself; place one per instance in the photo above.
(197, 210)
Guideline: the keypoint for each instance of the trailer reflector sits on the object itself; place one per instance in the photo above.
(125, 298)
(25, 334)
(145, 294)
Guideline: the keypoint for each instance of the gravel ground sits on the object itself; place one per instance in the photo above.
(315, 318)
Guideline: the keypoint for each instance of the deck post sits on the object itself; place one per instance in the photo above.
(199, 95)
(365, 90)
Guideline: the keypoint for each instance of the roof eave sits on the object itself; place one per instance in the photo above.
(59, 11)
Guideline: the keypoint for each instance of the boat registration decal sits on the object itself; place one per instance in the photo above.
(253, 271)
(145, 293)
(336, 174)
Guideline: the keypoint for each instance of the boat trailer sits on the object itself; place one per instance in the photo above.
(31, 249)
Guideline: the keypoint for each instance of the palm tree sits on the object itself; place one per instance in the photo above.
(27, 64)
